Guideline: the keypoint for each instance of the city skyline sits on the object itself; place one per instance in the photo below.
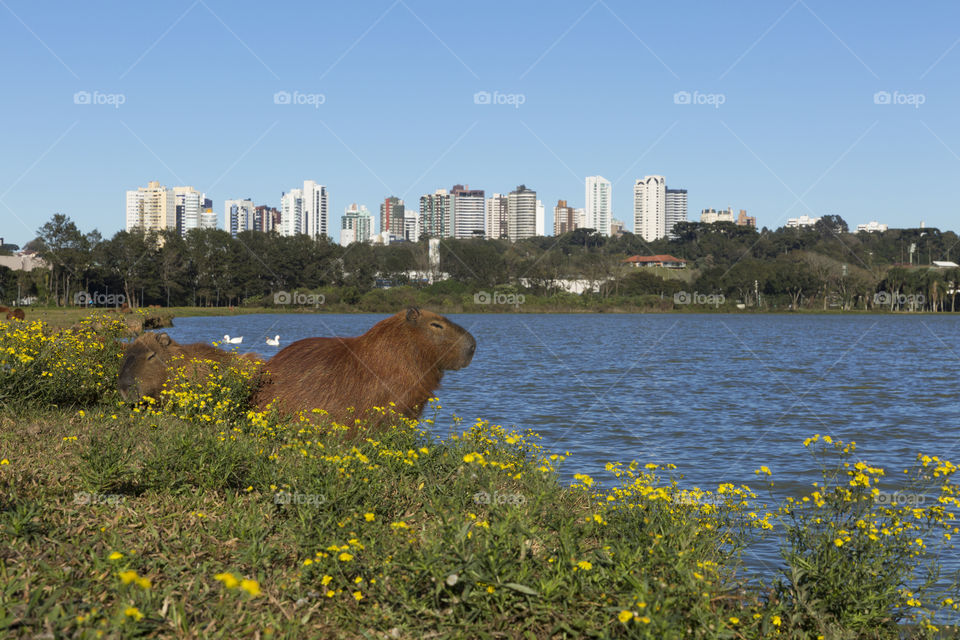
(792, 109)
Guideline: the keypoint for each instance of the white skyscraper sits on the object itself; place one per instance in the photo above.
(599, 204)
(411, 226)
(189, 208)
(238, 216)
(151, 208)
(496, 217)
(541, 220)
(468, 212)
(675, 209)
(314, 222)
(358, 220)
(649, 208)
(291, 213)
(521, 213)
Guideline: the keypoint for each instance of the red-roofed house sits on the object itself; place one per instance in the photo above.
(657, 261)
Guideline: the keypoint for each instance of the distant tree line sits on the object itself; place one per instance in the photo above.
(819, 267)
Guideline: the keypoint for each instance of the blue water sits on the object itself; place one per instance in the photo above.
(717, 395)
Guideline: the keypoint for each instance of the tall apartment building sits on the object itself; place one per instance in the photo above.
(151, 208)
(238, 216)
(564, 218)
(393, 217)
(468, 211)
(709, 216)
(436, 214)
(265, 218)
(190, 206)
(411, 226)
(496, 217)
(649, 207)
(599, 204)
(521, 213)
(291, 213)
(675, 209)
(314, 221)
(358, 220)
(541, 226)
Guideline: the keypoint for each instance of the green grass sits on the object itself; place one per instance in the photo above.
(198, 517)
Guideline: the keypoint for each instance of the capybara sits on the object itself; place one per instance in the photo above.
(148, 360)
(399, 360)
(16, 314)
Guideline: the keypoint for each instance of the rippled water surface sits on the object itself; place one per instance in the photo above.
(717, 395)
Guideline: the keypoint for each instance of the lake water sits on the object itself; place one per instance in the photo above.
(717, 395)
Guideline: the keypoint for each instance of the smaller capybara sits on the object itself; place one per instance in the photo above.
(15, 314)
(148, 360)
(399, 360)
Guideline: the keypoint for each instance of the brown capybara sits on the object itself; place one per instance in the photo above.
(16, 314)
(399, 360)
(148, 360)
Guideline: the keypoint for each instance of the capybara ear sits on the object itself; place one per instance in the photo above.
(413, 314)
(164, 340)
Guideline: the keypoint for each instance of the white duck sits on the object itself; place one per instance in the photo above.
(230, 340)
(274, 342)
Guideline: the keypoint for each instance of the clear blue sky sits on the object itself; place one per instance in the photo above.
(798, 132)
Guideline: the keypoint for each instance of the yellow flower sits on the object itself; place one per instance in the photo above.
(644, 620)
(625, 616)
(776, 621)
(116, 555)
(357, 596)
(490, 589)
(250, 586)
(345, 557)
(368, 517)
(734, 620)
(227, 579)
(133, 612)
(326, 580)
(838, 542)
(586, 566)
(4, 461)
(468, 458)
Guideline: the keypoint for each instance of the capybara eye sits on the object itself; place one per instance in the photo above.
(436, 325)
(151, 355)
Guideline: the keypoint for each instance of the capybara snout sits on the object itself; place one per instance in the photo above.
(455, 344)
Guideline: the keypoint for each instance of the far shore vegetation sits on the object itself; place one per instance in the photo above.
(728, 268)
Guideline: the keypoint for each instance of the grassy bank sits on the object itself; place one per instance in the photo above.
(198, 517)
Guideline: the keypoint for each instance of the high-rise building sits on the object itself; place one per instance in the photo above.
(675, 209)
(496, 217)
(151, 208)
(599, 204)
(411, 226)
(238, 216)
(521, 213)
(436, 214)
(709, 216)
(359, 220)
(265, 218)
(291, 213)
(347, 237)
(468, 212)
(208, 219)
(314, 221)
(392, 216)
(190, 206)
(541, 226)
(743, 220)
(564, 218)
(649, 208)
